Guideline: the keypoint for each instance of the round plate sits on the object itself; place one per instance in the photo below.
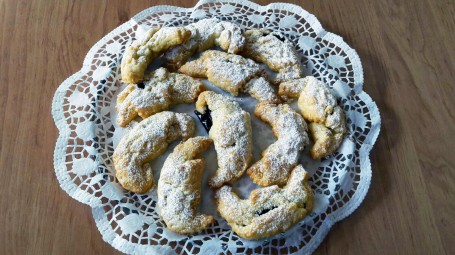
(83, 110)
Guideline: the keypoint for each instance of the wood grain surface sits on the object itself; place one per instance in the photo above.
(407, 50)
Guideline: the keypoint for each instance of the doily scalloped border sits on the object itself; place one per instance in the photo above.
(108, 234)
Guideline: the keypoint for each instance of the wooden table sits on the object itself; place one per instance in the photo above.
(408, 53)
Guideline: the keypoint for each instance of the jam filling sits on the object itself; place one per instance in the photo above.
(205, 119)
(265, 211)
(279, 37)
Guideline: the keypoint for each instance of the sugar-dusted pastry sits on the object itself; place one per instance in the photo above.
(318, 106)
(227, 71)
(326, 141)
(260, 89)
(282, 156)
(268, 211)
(232, 73)
(162, 90)
(146, 141)
(274, 50)
(292, 88)
(141, 52)
(205, 34)
(179, 188)
(231, 133)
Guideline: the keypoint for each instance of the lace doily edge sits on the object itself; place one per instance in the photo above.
(72, 190)
(66, 183)
(57, 111)
(109, 235)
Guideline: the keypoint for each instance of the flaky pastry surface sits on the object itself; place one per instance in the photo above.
(179, 188)
(159, 92)
(267, 211)
(232, 73)
(205, 34)
(146, 141)
(274, 50)
(232, 136)
(141, 52)
(282, 156)
(318, 106)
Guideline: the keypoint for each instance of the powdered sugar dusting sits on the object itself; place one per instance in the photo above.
(274, 50)
(291, 88)
(319, 105)
(261, 90)
(282, 156)
(139, 55)
(268, 210)
(143, 143)
(316, 100)
(179, 188)
(162, 90)
(231, 133)
(205, 34)
(227, 71)
(232, 73)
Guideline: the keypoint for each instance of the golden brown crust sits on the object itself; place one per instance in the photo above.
(282, 156)
(146, 141)
(195, 68)
(319, 106)
(326, 141)
(268, 211)
(261, 90)
(232, 73)
(162, 90)
(179, 188)
(141, 52)
(227, 71)
(274, 50)
(291, 88)
(231, 133)
(205, 34)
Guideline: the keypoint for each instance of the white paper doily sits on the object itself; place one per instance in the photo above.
(83, 110)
